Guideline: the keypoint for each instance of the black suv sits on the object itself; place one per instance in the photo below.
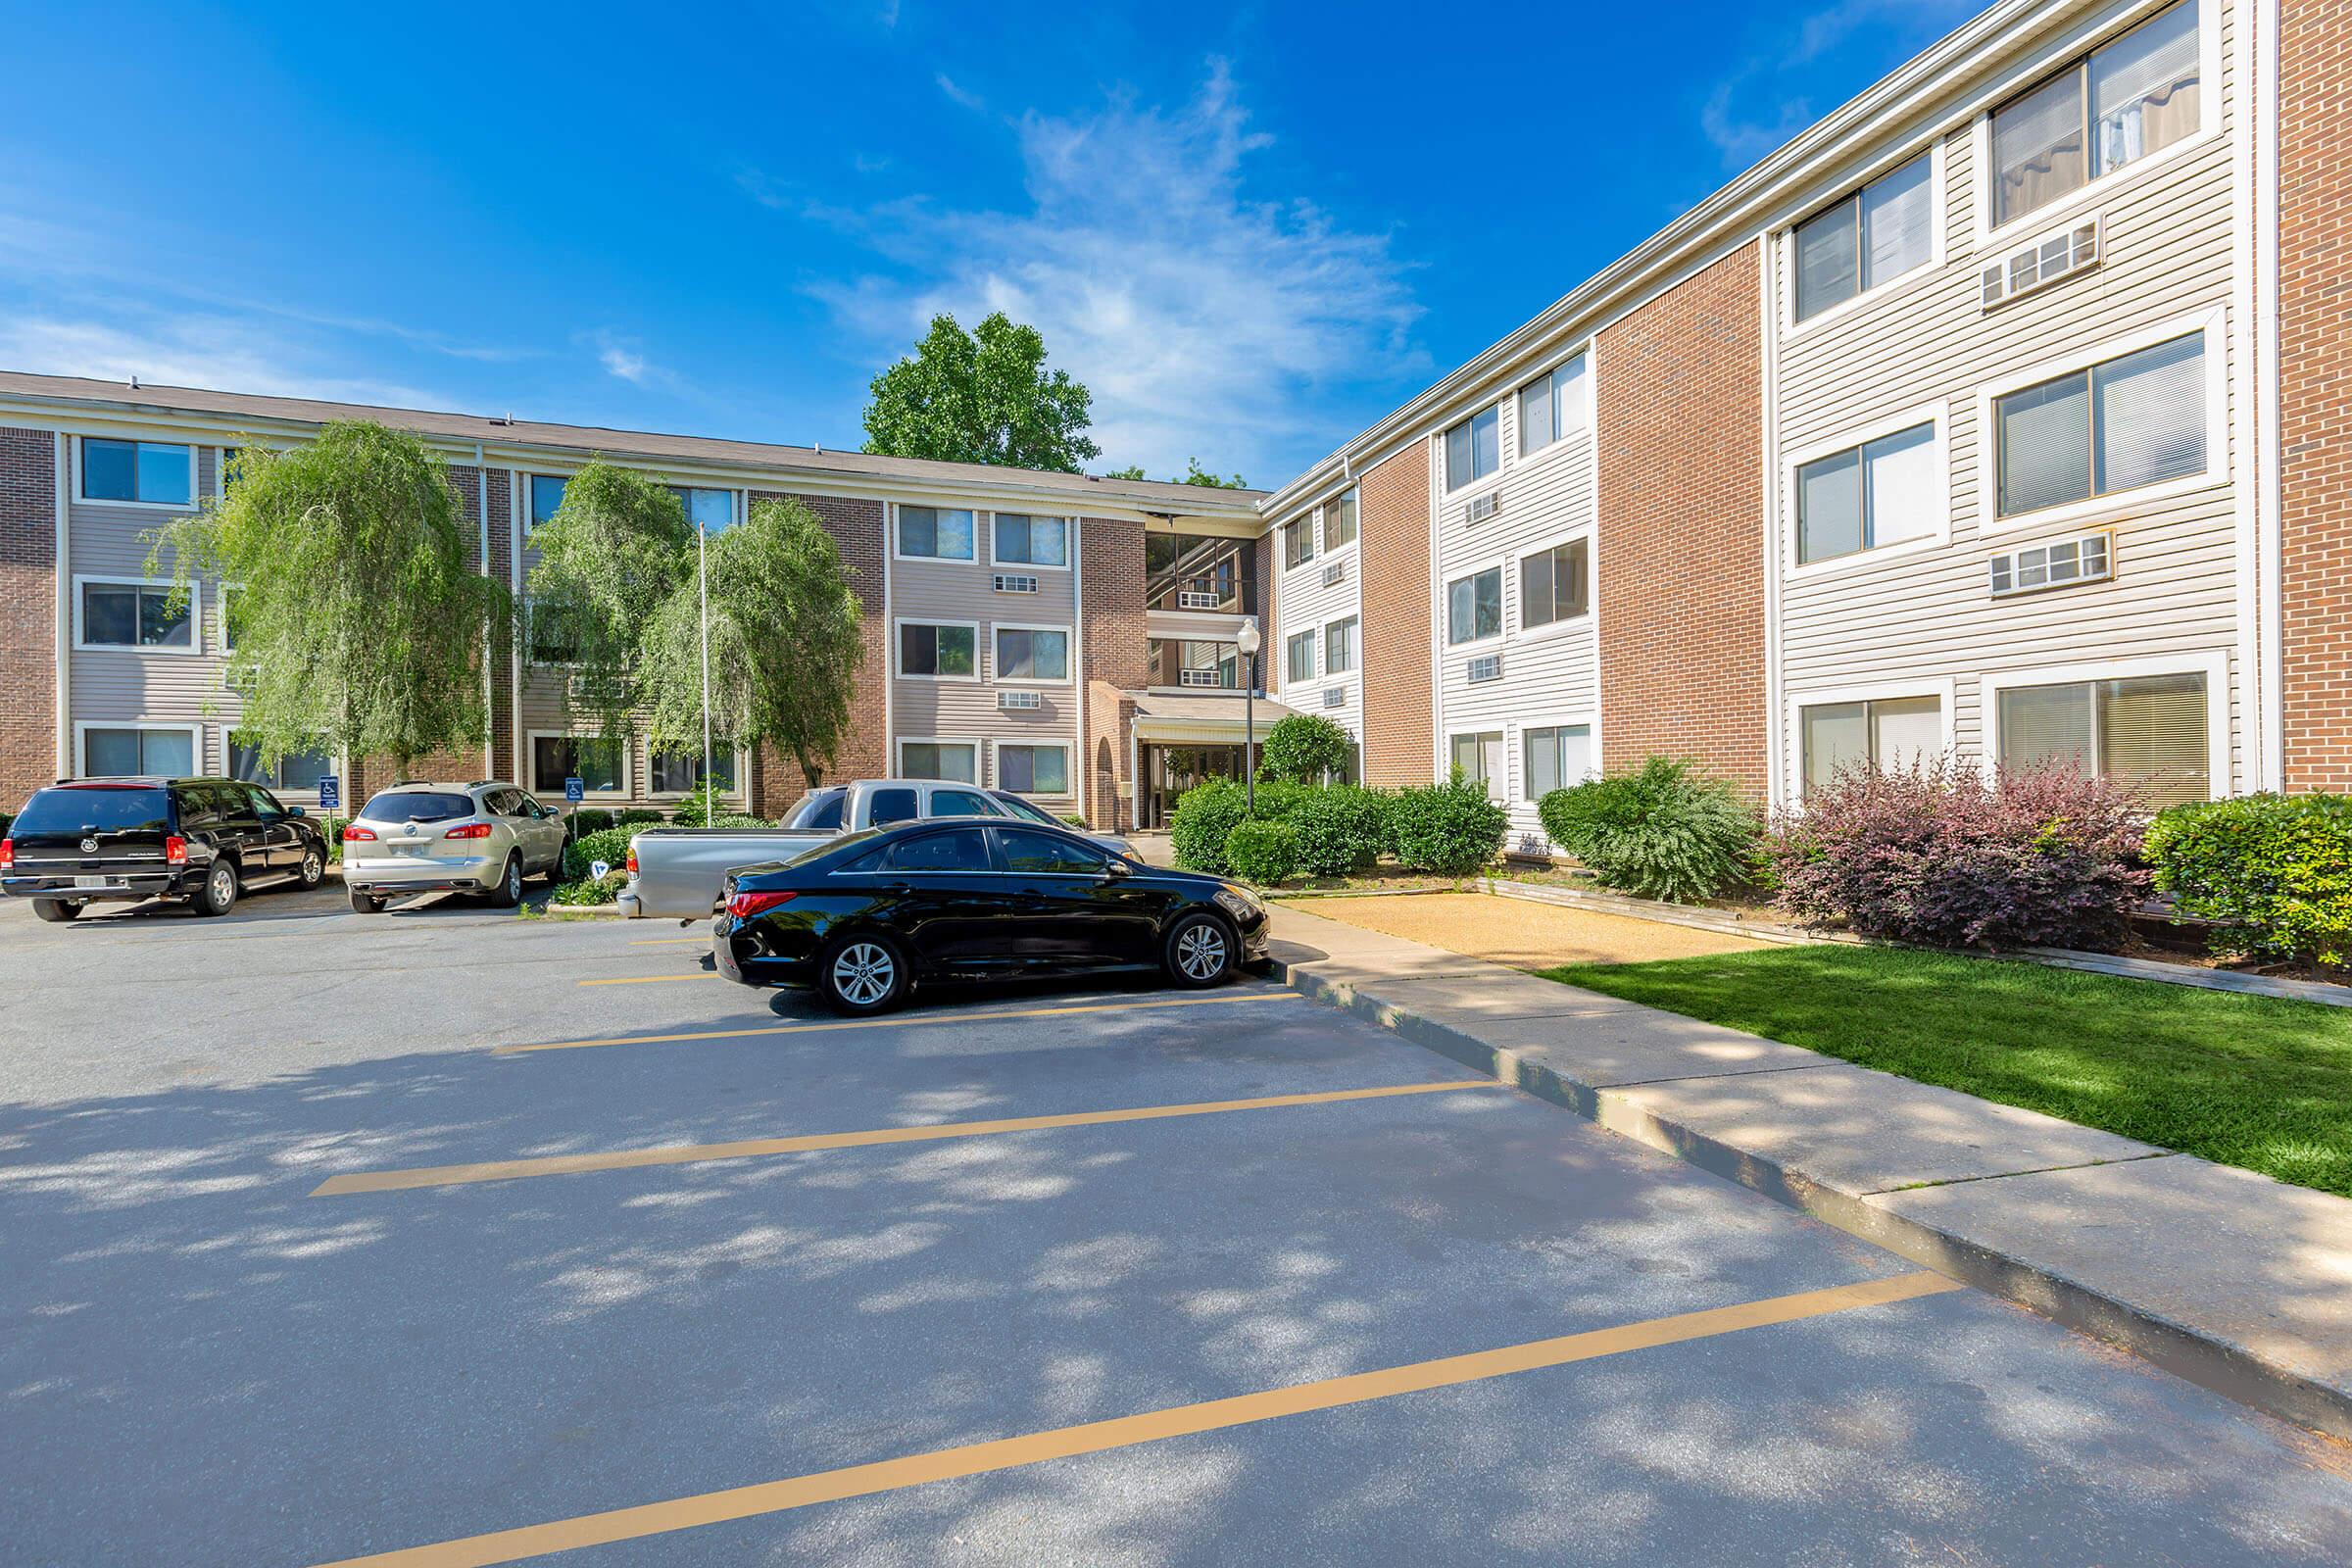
(85, 840)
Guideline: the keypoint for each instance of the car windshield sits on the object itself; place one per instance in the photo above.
(418, 805)
(818, 809)
(106, 809)
(1035, 813)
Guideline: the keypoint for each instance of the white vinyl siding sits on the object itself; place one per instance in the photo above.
(1869, 238)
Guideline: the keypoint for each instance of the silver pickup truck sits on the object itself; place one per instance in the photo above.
(676, 872)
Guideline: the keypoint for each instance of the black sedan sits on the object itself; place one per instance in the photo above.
(863, 919)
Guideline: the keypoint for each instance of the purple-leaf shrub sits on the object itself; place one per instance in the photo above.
(1941, 855)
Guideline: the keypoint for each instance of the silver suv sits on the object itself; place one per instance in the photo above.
(481, 838)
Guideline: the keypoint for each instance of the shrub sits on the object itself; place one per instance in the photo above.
(1263, 852)
(2273, 873)
(1938, 854)
(739, 820)
(609, 845)
(698, 808)
(1340, 829)
(589, 890)
(1305, 748)
(589, 820)
(1205, 816)
(1073, 819)
(1448, 829)
(1662, 831)
(636, 816)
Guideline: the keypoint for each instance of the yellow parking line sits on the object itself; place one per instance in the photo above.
(1127, 1430)
(506, 1170)
(653, 979)
(903, 1021)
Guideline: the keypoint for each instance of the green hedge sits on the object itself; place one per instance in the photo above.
(1208, 812)
(1340, 830)
(2273, 873)
(1446, 829)
(1662, 831)
(1263, 852)
(1304, 748)
(589, 890)
(588, 819)
(609, 845)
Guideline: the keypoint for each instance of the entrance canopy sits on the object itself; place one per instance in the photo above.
(1201, 719)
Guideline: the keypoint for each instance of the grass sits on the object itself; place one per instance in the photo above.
(2249, 1081)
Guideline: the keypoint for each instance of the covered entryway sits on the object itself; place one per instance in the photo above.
(1186, 739)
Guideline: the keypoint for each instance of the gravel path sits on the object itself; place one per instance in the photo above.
(1520, 932)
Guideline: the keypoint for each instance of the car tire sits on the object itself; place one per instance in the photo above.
(57, 910)
(509, 892)
(219, 894)
(366, 902)
(313, 868)
(1200, 951)
(863, 972)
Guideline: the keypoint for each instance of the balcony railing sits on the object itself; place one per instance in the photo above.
(1212, 575)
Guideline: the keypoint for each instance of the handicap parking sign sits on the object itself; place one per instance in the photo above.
(575, 791)
(330, 793)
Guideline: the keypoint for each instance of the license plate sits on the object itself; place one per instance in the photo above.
(408, 849)
(93, 882)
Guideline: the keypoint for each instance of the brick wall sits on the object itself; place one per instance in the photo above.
(1679, 553)
(864, 753)
(1111, 575)
(28, 613)
(1393, 555)
(2315, 347)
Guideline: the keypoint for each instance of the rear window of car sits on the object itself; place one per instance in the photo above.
(822, 809)
(891, 805)
(418, 805)
(106, 810)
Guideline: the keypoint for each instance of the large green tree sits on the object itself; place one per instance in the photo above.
(981, 397)
(359, 622)
(613, 553)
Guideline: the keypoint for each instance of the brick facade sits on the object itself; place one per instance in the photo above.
(857, 527)
(1678, 553)
(28, 613)
(2315, 393)
(1392, 553)
(1112, 636)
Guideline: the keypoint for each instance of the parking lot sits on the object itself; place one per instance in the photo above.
(447, 1238)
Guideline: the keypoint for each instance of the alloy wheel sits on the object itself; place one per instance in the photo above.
(863, 974)
(1201, 952)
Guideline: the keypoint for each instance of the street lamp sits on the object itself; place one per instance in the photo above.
(1248, 643)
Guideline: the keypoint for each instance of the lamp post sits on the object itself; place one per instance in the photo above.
(1248, 643)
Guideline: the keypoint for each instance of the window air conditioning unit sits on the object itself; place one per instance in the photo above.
(1481, 508)
(1335, 573)
(1486, 668)
(2059, 564)
(2042, 263)
(1020, 700)
(1199, 677)
(1015, 582)
(1335, 697)
(1194, 599)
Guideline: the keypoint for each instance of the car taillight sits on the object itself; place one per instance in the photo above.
(359, 835)
(745, 905)
(472, 830)
(632, 860)
(8, 854)
(176, 850)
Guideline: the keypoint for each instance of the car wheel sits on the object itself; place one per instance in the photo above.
(219, 894)
(58, 910)
(313, 869)
(1199, 951)
(862, 973)
(366, 902)
(509, 892)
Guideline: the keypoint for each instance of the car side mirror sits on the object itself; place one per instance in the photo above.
(1114, 868)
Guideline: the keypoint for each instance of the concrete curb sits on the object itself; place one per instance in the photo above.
(2199, 1352)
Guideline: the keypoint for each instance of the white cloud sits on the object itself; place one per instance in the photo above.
(222, 352)
(1197, 314)
(955, 94)
(1744, 133)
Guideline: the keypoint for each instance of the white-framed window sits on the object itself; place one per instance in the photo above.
(1018, 539)
(679, 770)
(1556, 584)
(1887, 733)
(928, 757)
(712, 510)
(135, 750)
(137, 613)
(1030, 770)
(1478, 756)
(547, 498)
(1553, 756)
(1474, 606)
(1032, 655)
(939, 649)
(1339, 520)
(295, 773)
(934, 533)
(1474, 448)
(2159, 724)
(1554, 407)
(1298, 541)
(137, 473)
(1299, 656)
(601, 762)
(1887, 489)
(2142, 415)
(1340, 646)
(1865, 239)
(2123, 102)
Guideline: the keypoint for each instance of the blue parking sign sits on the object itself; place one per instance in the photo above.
(575, 791)
(330, 793)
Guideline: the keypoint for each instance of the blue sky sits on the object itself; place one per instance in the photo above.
(1251, 230)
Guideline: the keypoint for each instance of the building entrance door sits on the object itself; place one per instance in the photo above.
(1170, 771)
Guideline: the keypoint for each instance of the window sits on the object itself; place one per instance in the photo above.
(1556, 757)
(1025, 850)
(594, 761)
(1299, 656)
(1478, 757)
(1025, 541)
(552, 638)
(819, 809)
(2132, 420)
(1178, 663)
(1555, 584)
(1474, 448)
(963, 803)
(126, 751)
(1876, 234)
(148, 473)
(891, 805)
(681, 772)
(547, 496)
(136, 615)
(1338, 647)
(296, 770)
(1033, 769)
(938, 653)
(959, 849)
(1878, 493)
(712, 510)
(1551, 406)
(1338, 522)
(1474, 606)
(935, 534)
(1298, 541)
(2118, 104)
(2151, 730)
(958, 761)
(1026, 653)
(1883, 732)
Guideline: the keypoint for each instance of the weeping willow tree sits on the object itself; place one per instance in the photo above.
(614, 552)
(358, 624)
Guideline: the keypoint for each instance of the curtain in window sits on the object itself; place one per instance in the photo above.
(1557, 758)
(1836, 736)
(1828, 268)
(2152, 730)
(2143, 89)
(2045, 444)
(2037, 152)
(1535, 416)
(2152, 415)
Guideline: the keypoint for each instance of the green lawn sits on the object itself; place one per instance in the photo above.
(2242, 1080)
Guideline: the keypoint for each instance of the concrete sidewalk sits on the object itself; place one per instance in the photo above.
(2227, 1278)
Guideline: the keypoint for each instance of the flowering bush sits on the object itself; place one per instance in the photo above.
(2273, 872)
(1940, 855)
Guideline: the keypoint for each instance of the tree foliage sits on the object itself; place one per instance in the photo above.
(614, 552)
(981, 397)
(1194, 474)
(1663, 830)
(359, 621)
(1303, 748)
